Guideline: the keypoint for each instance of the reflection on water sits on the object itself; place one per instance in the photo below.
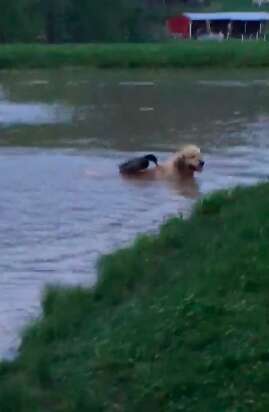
(63, 134)
(234, 83)
(33, 114)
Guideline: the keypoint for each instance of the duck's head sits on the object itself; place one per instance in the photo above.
(152, 158)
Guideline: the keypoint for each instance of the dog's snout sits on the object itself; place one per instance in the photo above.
(202, 163)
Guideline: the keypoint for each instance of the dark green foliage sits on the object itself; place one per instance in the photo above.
(101, 20)
(19, 20)
(58, 21)
(178, 321)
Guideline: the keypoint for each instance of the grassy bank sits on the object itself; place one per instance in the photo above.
(172, 54)
(178, 322)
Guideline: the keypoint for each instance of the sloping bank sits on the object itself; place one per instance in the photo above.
(171, 54)
(178, 322)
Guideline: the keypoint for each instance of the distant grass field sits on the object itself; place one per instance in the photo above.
(234, 5)
(176, 54)
(178, 322)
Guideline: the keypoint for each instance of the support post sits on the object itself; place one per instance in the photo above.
(230, 28)
(190, 28)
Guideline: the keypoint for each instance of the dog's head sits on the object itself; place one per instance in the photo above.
(189, 160)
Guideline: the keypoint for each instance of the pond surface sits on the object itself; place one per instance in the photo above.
(63, 133)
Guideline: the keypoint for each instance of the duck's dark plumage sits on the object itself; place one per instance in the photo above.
(137, 164)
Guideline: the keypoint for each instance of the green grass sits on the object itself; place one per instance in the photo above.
(220, 5)
(177, 322)
(232, 5)
(172, 54)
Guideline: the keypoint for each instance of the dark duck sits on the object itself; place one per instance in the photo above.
(138, 164)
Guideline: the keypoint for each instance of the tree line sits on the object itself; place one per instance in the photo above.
(57, 21)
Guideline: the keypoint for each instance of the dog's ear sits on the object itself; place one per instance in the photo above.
(179, 162)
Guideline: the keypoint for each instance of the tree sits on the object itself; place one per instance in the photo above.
(19, 20)
(57, 21)
(54, 15)
(97, 20)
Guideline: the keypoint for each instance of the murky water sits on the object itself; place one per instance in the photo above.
(62, 136)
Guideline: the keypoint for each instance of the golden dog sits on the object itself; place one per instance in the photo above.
(182, 165)
(178, 171)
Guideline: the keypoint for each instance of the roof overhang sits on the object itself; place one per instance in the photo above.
(231, 16)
